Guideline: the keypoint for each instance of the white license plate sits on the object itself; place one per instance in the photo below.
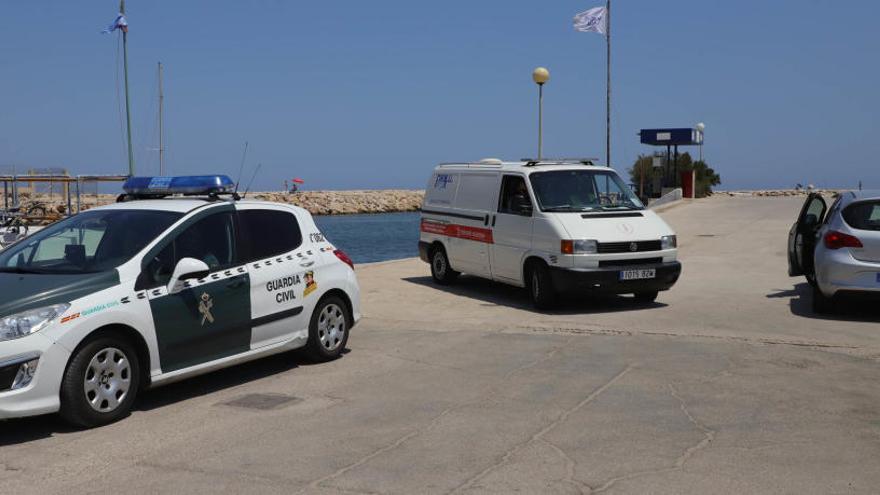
(638, 274)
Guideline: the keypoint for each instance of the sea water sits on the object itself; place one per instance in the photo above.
(376, 237)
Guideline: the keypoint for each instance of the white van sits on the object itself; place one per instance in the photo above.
(553, 226)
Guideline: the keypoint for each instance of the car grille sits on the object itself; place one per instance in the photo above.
(638, 261)
(7, 376)
(627, 247)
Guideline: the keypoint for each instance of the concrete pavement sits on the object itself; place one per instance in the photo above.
(728, 384)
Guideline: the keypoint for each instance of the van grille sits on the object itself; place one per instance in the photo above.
(627, 247)
(638, 261)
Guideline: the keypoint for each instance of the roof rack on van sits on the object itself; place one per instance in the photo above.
(531, 162)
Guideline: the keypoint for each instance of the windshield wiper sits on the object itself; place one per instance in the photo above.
(625, 206)
(569, 208)
(17, 269)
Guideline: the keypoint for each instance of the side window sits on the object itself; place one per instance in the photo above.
(268, 233)
(815, 210)
(211, 239)
(514, 198)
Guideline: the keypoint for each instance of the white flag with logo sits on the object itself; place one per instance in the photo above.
(591, 21)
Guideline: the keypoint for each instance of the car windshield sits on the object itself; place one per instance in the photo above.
(89, 242)
(582, 190)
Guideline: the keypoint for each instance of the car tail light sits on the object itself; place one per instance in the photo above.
(344, 258)
(837, 240)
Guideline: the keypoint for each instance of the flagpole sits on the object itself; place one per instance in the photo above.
(608, 84)
(127, 103)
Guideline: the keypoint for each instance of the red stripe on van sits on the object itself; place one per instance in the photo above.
(477, 234)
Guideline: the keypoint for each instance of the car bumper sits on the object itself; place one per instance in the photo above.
(837, 271)
(41, 395)
(607, 280)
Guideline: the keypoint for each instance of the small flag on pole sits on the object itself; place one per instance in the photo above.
(118, 23)
(591, 21)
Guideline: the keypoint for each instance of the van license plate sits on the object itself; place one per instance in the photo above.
(638, 274)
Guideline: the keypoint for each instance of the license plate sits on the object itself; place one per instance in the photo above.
(638, 274)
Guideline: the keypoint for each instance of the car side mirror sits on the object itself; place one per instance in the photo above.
(186, 269)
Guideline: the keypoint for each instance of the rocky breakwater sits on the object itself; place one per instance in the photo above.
(348, 202)
(777, 192)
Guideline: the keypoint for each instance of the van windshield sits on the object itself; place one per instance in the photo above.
(582, 190)
(89, 242)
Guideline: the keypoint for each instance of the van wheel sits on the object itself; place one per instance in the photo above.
(646, 297)
(328, 329)
(441, 271)
(821, 303)
(540, 286)
(100, 383)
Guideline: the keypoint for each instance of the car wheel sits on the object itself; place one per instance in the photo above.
(646, 297)
(100, 383)
(540, 286)
(821, 303)
(441, 271)
(328, 329)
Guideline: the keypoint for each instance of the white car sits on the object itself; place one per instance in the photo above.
(838, 252)
(159, 287)
(553, 226)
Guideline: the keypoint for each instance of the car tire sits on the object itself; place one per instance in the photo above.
(646, 297)
(540, 286)
(328, 329)
(100, 383)
(822, 304)
(441, 270)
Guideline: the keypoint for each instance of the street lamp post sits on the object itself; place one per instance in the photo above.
(540, 76)
(700, 128)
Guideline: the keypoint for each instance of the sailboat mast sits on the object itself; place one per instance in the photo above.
(161, 125)
(127, 103)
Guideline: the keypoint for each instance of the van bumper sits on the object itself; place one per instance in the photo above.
(424, 249)
(607, 280)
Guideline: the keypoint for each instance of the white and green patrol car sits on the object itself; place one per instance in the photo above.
(162, 286)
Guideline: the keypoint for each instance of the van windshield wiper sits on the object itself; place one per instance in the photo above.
(624, 206)
(569, 208)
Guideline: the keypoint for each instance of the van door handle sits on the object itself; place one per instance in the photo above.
(486, 220)
(306, 264)
(493, 220)
(236, 283)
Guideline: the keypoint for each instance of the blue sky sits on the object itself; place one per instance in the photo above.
(354, 94)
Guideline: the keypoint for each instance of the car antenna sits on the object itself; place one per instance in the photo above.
(240, 169)
(252, 181)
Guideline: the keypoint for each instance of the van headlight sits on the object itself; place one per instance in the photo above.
(668, 242)
(27, 322)
(580, 246)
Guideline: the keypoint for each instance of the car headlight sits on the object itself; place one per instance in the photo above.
(581, 246)
(27, 322)
(668, 242)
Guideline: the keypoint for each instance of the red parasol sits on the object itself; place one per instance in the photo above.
(299, 181)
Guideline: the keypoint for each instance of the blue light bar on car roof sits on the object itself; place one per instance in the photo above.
(186, 185)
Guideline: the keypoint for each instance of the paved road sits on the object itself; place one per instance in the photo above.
(728, 384)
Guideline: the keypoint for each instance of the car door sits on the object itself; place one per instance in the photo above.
(512, 229)
(802, 236)
(207, 318)
(281, 264)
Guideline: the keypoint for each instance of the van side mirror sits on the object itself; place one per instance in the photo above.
(186, 269)
(524, 209)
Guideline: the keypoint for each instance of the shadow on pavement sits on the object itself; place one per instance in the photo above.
(846, 309)
(15, 431)
(498, 294)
